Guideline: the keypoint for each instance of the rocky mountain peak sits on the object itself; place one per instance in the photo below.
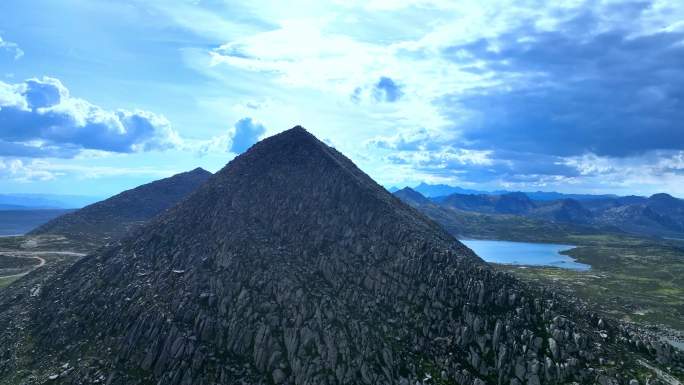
(412, 196)
(292, 266)
(292, 192)
(199, 171)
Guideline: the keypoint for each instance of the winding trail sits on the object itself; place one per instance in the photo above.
(667, 378)
(35, 255)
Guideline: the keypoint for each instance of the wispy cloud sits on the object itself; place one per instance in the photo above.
(31, 170)
(12, 48)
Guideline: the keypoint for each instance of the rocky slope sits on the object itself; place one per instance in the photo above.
(291, 266)
(114, 217)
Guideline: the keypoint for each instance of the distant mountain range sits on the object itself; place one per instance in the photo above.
(44, 201)
(657, 215)
(435, 190)
(443, 190)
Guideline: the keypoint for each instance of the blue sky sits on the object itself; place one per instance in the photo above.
(578, 96)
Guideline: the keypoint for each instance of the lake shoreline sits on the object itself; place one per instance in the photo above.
(526, 253)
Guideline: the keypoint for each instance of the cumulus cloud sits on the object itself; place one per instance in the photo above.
(386, 90)
(18, 170)
(244, 134)
(39, 118)
(12, 48)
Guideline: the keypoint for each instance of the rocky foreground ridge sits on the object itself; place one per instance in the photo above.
(291, 266)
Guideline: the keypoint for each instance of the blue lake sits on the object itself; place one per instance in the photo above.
(679, 344)
(523, 253)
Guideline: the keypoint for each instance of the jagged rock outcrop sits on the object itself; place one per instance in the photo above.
(114, 217)
(291, 266)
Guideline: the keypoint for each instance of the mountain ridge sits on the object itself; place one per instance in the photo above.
(113, 217)
(45, 201)
(658, 215)
(438, 191)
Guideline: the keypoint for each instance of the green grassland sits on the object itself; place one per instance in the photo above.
(636, 279)
(41, 243)
(5, 281)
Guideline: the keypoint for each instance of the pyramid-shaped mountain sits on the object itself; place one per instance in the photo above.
(291, 266)
(114, 217)
(411, 197)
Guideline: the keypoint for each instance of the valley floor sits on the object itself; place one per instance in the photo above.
(21, 255)
(636, 279)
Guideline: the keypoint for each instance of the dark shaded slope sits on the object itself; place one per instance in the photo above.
(510, 203)
(657, 215)
(114, 217)
(292, 266)
(565, 210)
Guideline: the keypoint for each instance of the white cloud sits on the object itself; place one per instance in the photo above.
(311, 54)
(12, 48)
(41, 119)
(301, 54)
(320, 64)
(327, 60)
(647, 173)
(237, 139)
(22, 170)
(18, 170)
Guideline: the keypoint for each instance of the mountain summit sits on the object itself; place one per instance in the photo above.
(292, 266)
